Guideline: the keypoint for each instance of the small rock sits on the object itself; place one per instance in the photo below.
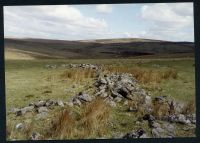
(117, 136)
(24, 110)
(60, 103)
(160, 130)
(41, 115)
(42, 109)
(131, 109)
(125, 102)
(149, 117)
(155, 133)
(182, 119)
(116, 94)
(148, 101)
(14, 110)
(40, 104)
(169, 127)
(85, 97)
(31, 104)
(111, 103)
(28, 109)
(117, 99)
(130, 135)
(69, 104)
(135, 134)
(102, 81)
(155, 125)
(144, 136)
(76, 102)
(35, 136)
(49, 103)
(19, 126)
(160, 99)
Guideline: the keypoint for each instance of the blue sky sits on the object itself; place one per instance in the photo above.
(166, 21)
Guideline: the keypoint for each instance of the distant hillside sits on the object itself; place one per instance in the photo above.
(105, 48)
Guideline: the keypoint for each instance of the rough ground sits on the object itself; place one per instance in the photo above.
(157, 116)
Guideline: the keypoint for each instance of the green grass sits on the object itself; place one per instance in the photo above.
(28, 81)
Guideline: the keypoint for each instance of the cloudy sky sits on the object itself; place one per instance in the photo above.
(172, 21)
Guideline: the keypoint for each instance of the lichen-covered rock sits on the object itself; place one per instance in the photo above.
(84, 97)
(40, 103)
(60, 103)
(42, 109)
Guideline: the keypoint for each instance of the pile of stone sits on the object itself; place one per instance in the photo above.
(80, 99)
(119, 87)
(39, 107)
(159, 130)
(50, 66)
(84, 66)
(181, 118)
(140, 133)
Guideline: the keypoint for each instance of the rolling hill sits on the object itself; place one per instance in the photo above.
(98, 49)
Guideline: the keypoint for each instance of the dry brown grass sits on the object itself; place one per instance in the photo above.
(160, 109)
(95, 117)
(190, 107)
(78, 74)
(23, 133)
(146, 75)
(63, 126)
(91, 122)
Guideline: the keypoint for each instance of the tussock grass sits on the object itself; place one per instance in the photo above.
(78, 74)
(146, 75)
(190, 107)
(160, 110)
(62, 126)
(91, 122)
(95, 117)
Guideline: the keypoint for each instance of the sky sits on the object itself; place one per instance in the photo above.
(162, 21)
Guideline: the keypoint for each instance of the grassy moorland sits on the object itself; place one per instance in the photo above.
(28, 81)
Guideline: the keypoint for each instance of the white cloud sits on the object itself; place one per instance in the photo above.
(104, 8)
(59, 22)
(170, 21)
(131, 35)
